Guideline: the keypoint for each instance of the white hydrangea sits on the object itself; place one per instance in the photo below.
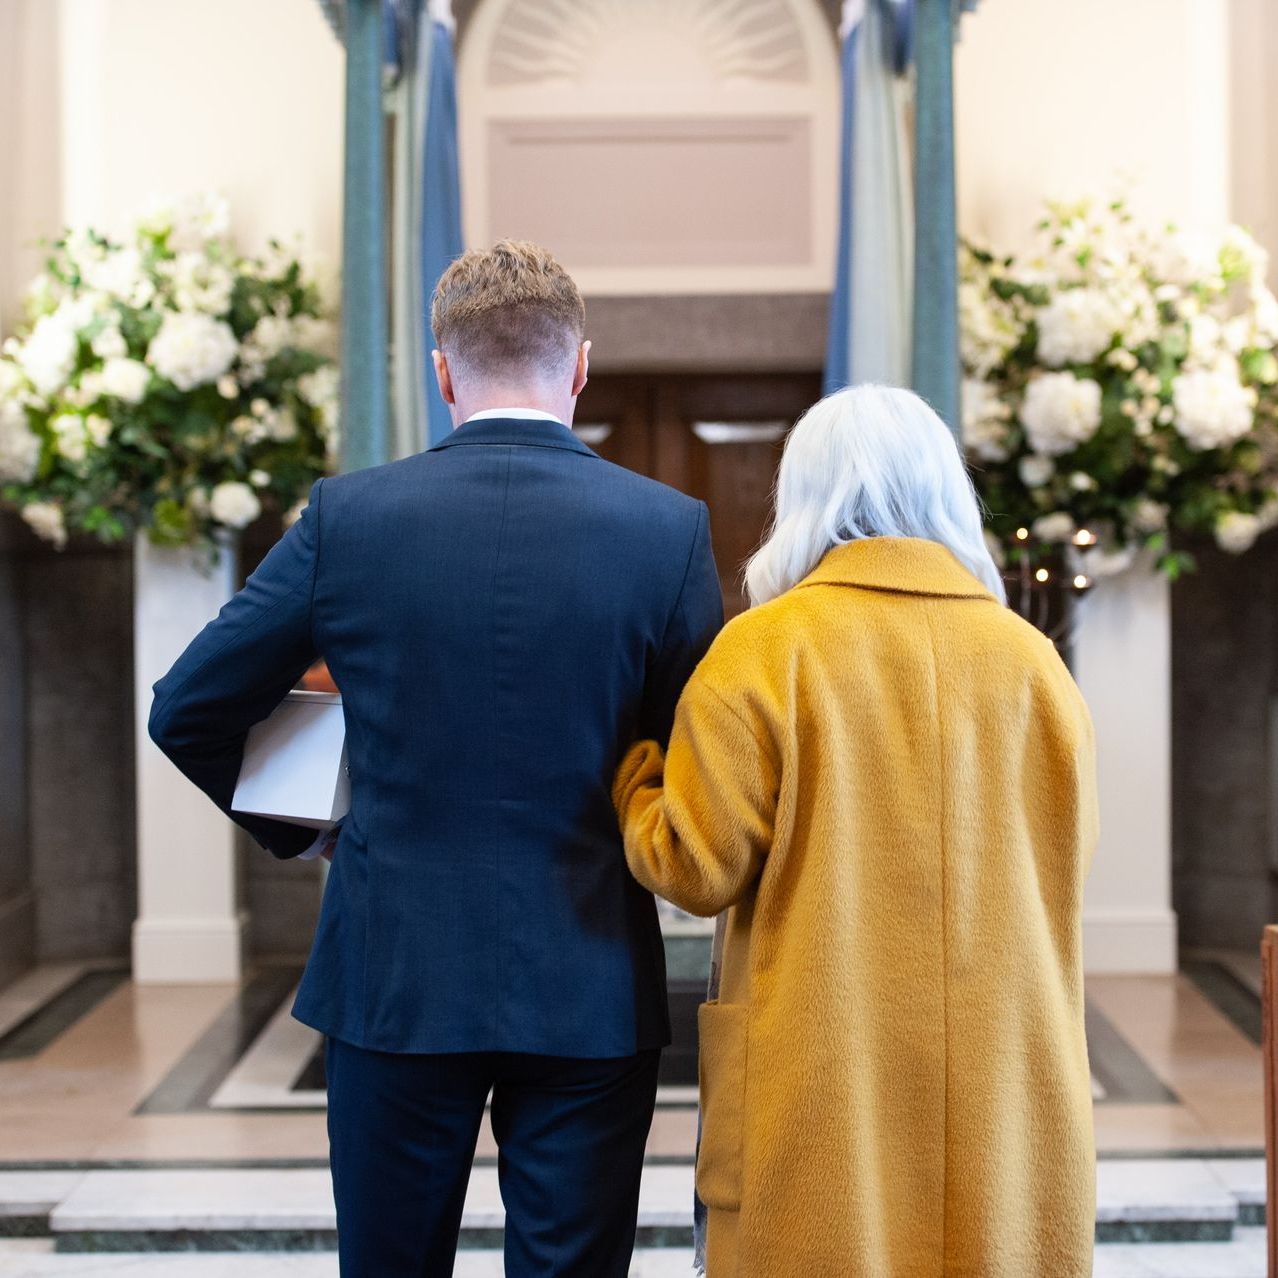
(985, 416)
(234, 505)
(19, 444)
(45, 519)
(125, 379)
(192, 349)
(1213, 409)
(1060, 411)
(49, 354)
(1237, 532)
(1058, 526)
(1076, 326)
(1035, 470)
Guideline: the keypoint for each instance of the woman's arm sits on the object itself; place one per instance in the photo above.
(700, 839)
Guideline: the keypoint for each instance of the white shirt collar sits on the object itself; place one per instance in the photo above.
(529, 414)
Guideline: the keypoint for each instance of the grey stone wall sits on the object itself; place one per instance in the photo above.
(78, 636)
(1224, 677)
(17, 902)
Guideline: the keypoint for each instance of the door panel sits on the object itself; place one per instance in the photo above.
(716, 437)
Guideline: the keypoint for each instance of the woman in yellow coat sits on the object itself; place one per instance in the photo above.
(886, 779)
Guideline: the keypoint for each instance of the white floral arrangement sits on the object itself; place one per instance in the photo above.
(166, 383)
(1121, 387)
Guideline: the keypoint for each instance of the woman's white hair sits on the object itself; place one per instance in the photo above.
(869, 461)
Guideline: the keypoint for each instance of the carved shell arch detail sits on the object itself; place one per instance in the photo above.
(578, 42)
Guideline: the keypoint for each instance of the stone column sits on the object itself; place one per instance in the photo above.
(190, 927)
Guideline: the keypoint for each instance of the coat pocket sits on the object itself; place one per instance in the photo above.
(724, 1033)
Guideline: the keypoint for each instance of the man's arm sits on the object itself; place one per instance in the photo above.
(236, 671)
(697, 618)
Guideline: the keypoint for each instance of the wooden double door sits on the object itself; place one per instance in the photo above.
(717, 437)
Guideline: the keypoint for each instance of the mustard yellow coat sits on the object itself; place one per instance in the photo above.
(887, 778)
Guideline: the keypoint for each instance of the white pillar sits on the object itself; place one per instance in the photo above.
(1122, 659)
(189, 928)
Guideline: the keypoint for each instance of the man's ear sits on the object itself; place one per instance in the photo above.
(444, 376)
(582, 373)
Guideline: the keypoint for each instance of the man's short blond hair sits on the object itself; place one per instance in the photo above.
(510, 310)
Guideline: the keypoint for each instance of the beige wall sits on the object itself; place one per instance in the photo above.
(166, 97)
(29, 171)
(1070, 97)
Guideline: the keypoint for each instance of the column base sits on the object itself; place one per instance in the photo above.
(1130, 943)
(189, 951)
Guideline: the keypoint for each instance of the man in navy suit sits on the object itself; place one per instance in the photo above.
(504, 615)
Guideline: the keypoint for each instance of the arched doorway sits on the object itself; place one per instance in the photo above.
(680, 157)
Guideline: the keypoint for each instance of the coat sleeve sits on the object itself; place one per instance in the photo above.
(696, 619)
(699, 838)
(236, 671)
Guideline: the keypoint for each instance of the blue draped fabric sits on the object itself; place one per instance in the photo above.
(893, 310)
(419, 77)
(441, 224)
(838, 354)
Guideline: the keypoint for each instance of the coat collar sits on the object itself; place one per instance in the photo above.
(902, 565)
(528, 431)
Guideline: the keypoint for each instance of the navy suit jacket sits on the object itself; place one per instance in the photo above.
(504, 615)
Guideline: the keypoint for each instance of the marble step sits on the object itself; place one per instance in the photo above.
(1244, 1257)
(291, 1209)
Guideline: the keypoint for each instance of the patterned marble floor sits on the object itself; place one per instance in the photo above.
(113, 1096)
(94, 1069)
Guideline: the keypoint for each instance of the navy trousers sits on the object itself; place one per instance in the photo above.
(571, 1135)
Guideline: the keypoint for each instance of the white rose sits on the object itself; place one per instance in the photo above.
(45, 519)
(119, 273)
(988, 327)
(1060, 411)
(985, 419)
(282, 425)
(1076, 326)
(71, 441)
(1205, 339)
(200, 284)
(125, 379)
(110, 343)
(197, 220)
(319, 336)
(1058, 526)
(1236, 532)
(1035, 471)
(228, 387)
(259, 478)
(98, 429)
(48, 355)
(1081, 482)
(1148, 516)
(192, 349)
(19, 445)
(234, 504)
(1213, 409)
